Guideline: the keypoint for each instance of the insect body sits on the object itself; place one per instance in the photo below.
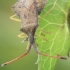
(27, 11)
(28, 14)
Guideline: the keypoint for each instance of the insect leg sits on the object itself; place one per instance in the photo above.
(18, 57)
(21, 35)
(26, 39)
(12, 18)
(58, 56)
(42, 38)
(41, 31)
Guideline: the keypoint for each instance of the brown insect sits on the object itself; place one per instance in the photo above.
(28, 11)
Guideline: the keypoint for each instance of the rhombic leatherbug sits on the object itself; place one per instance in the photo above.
(28, 11)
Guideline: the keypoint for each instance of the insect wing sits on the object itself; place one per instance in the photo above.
(29, 12)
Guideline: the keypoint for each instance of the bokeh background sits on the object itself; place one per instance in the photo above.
(11, 46)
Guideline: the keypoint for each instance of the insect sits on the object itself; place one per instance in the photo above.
(28, 11)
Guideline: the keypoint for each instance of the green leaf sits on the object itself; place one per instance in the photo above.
(54, 28)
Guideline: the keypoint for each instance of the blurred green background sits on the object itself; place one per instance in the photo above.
(11, 46)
